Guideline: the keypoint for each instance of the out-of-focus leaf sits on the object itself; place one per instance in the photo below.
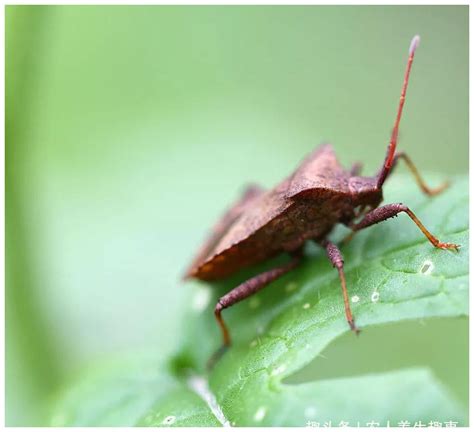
(120, 393)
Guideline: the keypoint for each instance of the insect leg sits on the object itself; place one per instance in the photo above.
(241, 292)
(419, 180)
(335, 256)
(391, 210)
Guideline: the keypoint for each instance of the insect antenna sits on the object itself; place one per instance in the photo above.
(393, 140)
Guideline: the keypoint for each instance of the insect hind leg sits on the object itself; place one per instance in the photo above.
(241, 292)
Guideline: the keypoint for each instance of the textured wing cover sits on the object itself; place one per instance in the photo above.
(258, 225)
(251, 193)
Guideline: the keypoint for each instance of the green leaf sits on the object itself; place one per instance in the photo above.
(393, 274)
(119, 393)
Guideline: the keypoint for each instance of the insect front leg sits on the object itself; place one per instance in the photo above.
(419, 180)
(241, 292)
(391, 210)
(335, 256)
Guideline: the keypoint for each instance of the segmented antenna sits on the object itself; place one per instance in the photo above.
(393, 140)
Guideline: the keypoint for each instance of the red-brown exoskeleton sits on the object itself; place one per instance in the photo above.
(305, 206)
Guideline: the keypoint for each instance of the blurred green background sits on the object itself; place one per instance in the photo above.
(129, 130)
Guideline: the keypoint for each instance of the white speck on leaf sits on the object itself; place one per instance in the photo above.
(169, 420)
(427, 267)
(375, 296)
(355, 299)
(260, 414)
(306, 306)
(279, 369)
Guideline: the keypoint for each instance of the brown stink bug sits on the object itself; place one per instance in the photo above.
(305, 206)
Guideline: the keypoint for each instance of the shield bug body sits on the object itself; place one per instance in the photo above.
(305, 206)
